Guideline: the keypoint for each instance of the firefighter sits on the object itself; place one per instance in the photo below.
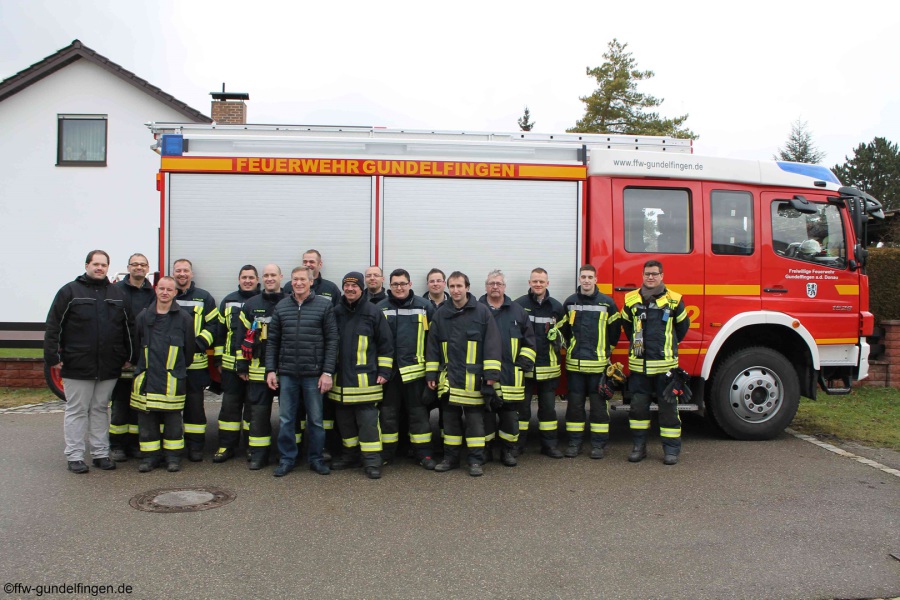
(252, 333)
(547, 316)
(436, 294)
(655, 322)
(228, 348)
(365, 362)
(592, 329)
(463, 354)
(165, 341)
(409, 317)
(123, 420)
(518, 355)
(201, 306)
(375, 291)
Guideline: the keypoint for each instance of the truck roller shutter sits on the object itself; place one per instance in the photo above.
(475, 226)
(224, 221)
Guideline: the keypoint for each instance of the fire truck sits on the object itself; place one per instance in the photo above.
(769, 256)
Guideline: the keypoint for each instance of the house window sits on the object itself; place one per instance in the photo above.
(81, 141)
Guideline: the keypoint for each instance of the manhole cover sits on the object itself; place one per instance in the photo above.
(184, 499)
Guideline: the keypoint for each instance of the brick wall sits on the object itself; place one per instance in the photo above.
(225, 112)
(884, 371)
(22, 373)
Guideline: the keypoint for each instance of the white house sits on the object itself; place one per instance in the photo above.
(76, 174)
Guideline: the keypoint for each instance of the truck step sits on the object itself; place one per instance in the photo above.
(653, 407)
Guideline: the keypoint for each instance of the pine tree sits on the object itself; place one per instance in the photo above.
(617, 107)
(799, 147)
(525, 122)
(875, 169)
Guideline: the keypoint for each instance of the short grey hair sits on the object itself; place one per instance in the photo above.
(495, 273)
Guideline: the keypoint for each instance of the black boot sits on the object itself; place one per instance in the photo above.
(639, 451)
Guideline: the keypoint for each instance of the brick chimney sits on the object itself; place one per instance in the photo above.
(229, 108)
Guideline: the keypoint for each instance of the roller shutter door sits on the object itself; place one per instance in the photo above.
(475, 226)
(222, 222)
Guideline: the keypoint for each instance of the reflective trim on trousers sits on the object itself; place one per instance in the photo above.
(639, 425)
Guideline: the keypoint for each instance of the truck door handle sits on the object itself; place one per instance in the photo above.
(775, 290)
(625, 289)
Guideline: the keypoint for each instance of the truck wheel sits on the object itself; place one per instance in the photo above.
(755, 394)
(54, 381)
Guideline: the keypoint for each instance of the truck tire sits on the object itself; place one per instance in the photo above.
(755, 394)
(54, 381)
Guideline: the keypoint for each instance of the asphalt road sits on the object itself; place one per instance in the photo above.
(779, 519)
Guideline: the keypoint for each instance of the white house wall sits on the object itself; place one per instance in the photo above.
(53, 216)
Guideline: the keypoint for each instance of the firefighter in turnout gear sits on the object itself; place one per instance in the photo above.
(518, 345)
(251, 333)
(365, 362)
(408, 316)
(547, 316)
(123, 420)
(592, 329)
(655, 322)
(201, 307)
(165, 341)
(463, 353)
(235, 412)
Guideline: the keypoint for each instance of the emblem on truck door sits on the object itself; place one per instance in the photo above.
(811, 289)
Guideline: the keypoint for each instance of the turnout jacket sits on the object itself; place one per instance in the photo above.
(662, 322)
(89, 329)
(592, 329)
(228, 345)
(201, 307)
(409, 320)
(165, 351)
(137, 299)
(302, 337)
(376, 298)
(366, 352)
(544, 315)
(321, 287)
(434, 304)
(255, 314)
(517, 339)
(463, 349)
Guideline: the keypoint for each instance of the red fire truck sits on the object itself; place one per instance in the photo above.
(769, 255)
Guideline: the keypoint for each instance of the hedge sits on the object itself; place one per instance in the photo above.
(883, 268)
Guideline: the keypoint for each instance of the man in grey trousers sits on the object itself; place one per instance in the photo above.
(88, 337)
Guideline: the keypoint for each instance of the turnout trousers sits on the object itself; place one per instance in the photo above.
(545, 389)
(404, 397)
(259, 401)
(123, 420)
(582, 386)
(234, 415)
(508, 431)
(359, 429)
(642, 387)
(155, 444)
(474, 431)
(194, 410)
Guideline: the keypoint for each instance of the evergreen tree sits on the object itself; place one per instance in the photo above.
(875, 169)
(799, 147)
(525, 122)
(617, 107)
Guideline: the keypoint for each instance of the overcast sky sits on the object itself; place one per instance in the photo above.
(743, 71)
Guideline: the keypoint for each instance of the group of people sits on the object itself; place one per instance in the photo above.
(357, 369)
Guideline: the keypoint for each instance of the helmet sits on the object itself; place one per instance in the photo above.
(810, 247)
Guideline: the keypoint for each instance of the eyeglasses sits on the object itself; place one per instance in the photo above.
(399, 284)
(145, 265)
(652, 275)
(496, 284)
(435, 281)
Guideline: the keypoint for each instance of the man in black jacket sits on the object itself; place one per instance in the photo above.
(123, 420)
(201, 307)
(365, 361)
(301, 357)
(88, 338)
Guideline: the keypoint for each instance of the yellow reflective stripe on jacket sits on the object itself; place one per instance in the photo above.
(362, 346)
(529, 353)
